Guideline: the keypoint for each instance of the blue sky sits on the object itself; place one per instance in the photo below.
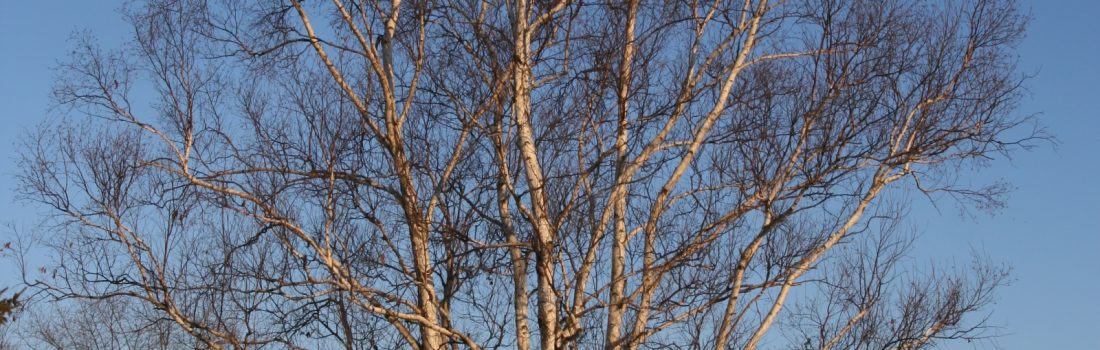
(1049, 233)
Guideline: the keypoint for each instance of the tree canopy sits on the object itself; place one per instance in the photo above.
(530, 174)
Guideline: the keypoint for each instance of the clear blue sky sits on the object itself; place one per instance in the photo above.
(1049, 233)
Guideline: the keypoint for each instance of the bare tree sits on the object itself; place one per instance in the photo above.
(529, 173)
(114, 323)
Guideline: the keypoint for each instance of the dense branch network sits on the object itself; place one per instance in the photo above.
(530, 174)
